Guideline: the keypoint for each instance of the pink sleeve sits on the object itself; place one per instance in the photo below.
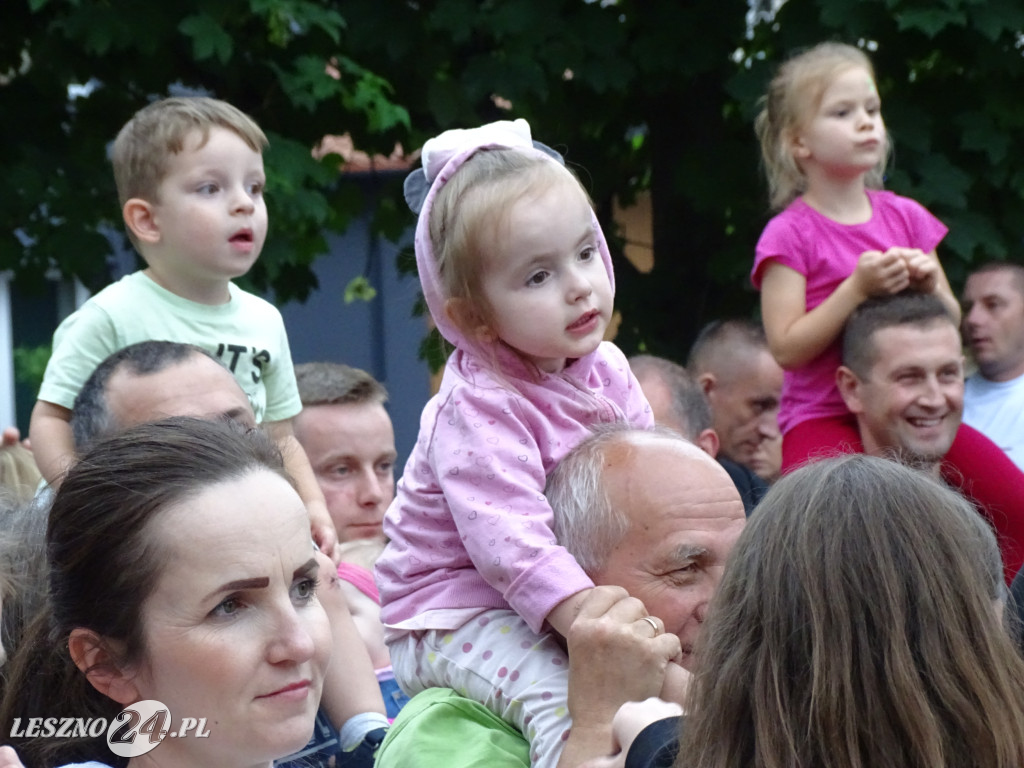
(927, 231)
(779, 242)
(489, 467)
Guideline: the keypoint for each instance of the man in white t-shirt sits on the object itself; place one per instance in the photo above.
(993, 327)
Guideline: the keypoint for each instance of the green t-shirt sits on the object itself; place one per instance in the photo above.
(438, 728)
(247, 335)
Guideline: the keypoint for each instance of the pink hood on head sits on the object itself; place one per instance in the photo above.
(442, 157)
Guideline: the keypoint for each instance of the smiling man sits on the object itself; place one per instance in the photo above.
(903, 379)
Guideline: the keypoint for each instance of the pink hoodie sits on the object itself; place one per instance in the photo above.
(470, 528)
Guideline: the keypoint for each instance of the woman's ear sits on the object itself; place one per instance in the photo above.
(140, 218)
(95, 659)
(465, 316)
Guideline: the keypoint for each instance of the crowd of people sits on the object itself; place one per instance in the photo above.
(803, 545)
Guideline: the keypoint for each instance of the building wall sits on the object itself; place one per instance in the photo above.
(380, 336)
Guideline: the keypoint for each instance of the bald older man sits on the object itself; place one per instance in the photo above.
(644, 510)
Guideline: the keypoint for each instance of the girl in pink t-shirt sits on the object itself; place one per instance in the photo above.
(837, 240)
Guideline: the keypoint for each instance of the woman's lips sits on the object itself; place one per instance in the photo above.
(294, 692)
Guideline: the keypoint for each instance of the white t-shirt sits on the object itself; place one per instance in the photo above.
(996, 409)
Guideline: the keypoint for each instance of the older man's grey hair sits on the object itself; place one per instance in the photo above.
(585, 523)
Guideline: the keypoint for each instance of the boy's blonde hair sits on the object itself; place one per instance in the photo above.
(146, 142)
(794, 92)
(474, 203)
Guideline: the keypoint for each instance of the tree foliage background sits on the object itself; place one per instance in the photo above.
(638, 94)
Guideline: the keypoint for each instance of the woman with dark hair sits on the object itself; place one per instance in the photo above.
(858, 625)
(181, 571)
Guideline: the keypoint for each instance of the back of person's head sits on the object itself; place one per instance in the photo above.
(19, 473)
(104, 560)
(793, 95)
(909, 308)
(473, 204)
(91, 417)
(856, 625)
(724, 340)
(337, 384)
(690, 408)
(144, 146)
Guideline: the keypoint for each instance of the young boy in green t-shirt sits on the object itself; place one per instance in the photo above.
(189, 174)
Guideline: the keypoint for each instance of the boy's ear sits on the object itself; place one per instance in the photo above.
(140, 218)
(94, 658)
(465, 316)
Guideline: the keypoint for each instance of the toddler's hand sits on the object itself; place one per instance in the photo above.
(629, 721)
(634, 716)
(922, 268)
(880, 274)
(677, 681)
(322, 528)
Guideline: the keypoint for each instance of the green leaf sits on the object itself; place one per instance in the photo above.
(434, 350)
(931, 21)
(945, 183)
(981, 135)
(971, 233)
(208, 37)
(359, 289)
(30, 364)
(367, 93)
(993, 18)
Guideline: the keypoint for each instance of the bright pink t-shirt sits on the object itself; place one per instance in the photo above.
(825, 252)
